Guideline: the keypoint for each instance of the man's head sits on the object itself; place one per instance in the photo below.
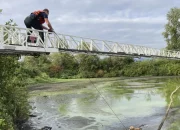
(46, 11)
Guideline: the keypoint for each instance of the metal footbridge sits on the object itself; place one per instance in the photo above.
(13, 40)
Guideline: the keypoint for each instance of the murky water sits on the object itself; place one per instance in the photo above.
(134, 101)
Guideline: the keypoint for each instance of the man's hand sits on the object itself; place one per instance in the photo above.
(50, 30)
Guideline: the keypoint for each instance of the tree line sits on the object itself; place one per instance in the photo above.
(65, 65)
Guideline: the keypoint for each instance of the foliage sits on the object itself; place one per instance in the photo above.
(14, 105)
(114, 65)
(88, 65)
(159, 67)
(34, 66)
(172, 29)
(62, 65)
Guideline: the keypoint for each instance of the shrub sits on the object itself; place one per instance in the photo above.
(14, 107)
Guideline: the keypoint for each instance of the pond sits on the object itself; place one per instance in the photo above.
(114, 104)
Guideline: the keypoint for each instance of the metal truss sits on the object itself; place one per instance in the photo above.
(13, 40)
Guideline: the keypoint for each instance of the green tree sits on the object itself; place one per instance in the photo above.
(63, 65)
(88, 65)
(113, 65)
(35, 66)
(172, 29)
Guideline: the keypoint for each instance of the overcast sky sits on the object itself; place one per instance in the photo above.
(138, 22)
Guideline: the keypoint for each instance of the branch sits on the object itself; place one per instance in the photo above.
(167, 112)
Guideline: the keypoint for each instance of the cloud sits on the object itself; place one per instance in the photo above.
(73, 19)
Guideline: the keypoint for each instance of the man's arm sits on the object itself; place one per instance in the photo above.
(48, 23)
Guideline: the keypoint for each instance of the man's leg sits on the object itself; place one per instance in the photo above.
(38, 26)
(27, 22)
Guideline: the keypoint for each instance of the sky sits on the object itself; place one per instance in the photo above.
(136, 22)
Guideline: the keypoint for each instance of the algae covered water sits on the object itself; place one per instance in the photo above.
(136, 101)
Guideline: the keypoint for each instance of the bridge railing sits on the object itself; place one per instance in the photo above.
(12, 35)
(17, 36)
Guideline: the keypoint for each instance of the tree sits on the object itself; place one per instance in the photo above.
(63, 65)
(172, 29)
(0, 10)
(113, 65)
(88, 65)
(35, 66)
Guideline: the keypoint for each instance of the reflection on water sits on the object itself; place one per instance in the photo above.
(135, 102)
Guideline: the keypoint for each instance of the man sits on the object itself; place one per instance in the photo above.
(36, 19)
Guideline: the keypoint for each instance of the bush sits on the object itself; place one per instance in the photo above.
(14, 107)
(43, 77)
(86, 74)
(100, 73)
(111, 74)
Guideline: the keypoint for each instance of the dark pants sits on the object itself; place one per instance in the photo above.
(30, 22)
